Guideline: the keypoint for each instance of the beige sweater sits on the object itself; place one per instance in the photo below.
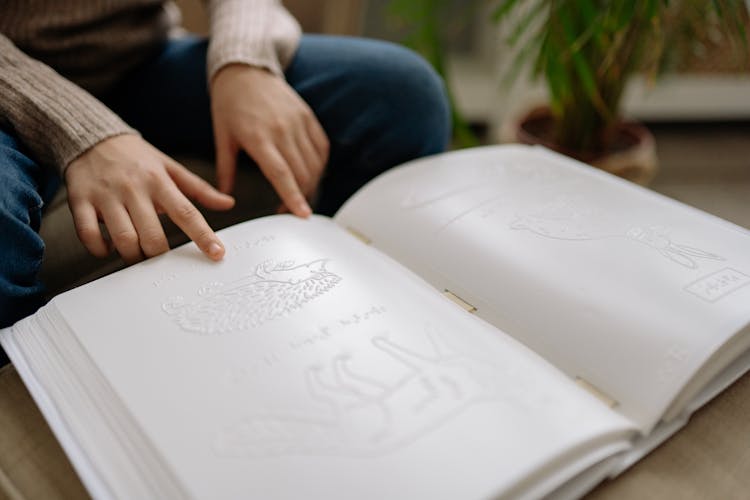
(55, 55)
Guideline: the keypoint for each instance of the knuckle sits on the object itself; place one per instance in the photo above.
(204, 237)
(153, 176)
(87, 233)
(277, 172)
(129, 186)
(186, 211)
(252, 134)
(154, 248)
(277, 127)
(152, 239)
(126, 238)
(75, 198)
(147, 172)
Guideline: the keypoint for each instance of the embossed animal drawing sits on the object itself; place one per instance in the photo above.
(568, 219)
(271, 291)
(366, 416)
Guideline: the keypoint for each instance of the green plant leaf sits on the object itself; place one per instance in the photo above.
(503, 9)
(524, 23)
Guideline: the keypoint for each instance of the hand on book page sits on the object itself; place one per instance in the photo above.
(365, 415)
(360, 372)
(125, 182)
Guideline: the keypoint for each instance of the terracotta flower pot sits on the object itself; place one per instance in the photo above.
(634, 158)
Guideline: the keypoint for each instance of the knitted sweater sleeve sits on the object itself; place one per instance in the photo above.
(255, 32)
(54, 118)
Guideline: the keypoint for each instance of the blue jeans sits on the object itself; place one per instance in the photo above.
(379, 103)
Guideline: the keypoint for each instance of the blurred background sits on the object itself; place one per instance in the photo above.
(690, 87)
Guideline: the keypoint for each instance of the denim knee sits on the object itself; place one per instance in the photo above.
(420, 100)
(21, 247)
(409, 97)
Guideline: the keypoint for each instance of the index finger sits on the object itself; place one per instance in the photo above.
(280, 175)
(191, 221)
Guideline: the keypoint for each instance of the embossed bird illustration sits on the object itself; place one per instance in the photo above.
(271, 291)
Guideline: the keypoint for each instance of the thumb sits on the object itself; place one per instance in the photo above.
(226, 163)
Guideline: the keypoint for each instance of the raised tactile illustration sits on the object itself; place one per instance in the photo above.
(356, 414)
(569, 219)
(271, 291)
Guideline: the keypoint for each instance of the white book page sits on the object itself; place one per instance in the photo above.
(308, 364)
(612, 283)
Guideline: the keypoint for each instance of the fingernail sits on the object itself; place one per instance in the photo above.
(214, 250)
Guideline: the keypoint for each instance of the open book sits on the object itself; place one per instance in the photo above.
(500, 321)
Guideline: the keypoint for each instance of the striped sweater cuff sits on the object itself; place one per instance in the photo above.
(255, 32)
(55, 119)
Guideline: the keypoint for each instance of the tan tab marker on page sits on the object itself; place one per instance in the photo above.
(361, 237)
(458, 300)
(602, 396)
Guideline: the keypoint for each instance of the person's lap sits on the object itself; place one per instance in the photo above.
(379, 104)
(24, 188)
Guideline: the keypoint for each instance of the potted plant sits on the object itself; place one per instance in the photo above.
(425, 26)
(586, 50)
